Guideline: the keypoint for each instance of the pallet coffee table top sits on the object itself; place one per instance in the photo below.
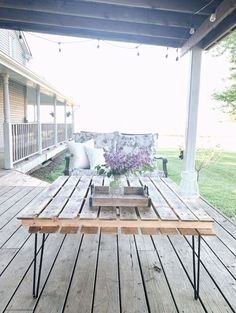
(64, 207)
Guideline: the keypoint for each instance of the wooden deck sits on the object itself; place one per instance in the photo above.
(110, 273)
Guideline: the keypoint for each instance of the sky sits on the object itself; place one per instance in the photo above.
(117, 89)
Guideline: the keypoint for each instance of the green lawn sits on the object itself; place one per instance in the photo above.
(58, 171)
(217, 182)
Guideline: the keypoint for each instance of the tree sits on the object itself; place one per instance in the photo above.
(228, 96)
(205, 157)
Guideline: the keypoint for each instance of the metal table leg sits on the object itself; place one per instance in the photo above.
(36, 280)
(196, 268)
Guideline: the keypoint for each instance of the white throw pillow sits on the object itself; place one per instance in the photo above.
(95, 156)
(79, 158)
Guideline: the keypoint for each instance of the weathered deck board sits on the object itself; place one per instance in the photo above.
(54, 293)
(219, 273)
(132, 291)
(84, 276)
(160, 204)
(196, 207)
(181, 288)
(19, 205)
(159, 296)
(106, 297)
(24, 291)
(178, 206)
(126, 277)
(15, 178)
(223, 253)
(8, 282)
(216, 302)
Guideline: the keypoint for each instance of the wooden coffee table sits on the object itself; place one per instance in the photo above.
(64, 207)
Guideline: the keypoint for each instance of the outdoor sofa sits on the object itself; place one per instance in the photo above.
(87, 148)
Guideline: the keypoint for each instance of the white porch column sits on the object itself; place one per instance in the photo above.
(65, 120)
(39, 119)
(55, 119)
(8, 157)
(188, 184)
(73, 119)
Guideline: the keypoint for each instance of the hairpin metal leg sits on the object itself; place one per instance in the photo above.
(36, 280)
(196, 271)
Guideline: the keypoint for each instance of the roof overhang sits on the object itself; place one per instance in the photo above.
(23, 75)
(24, 45)
(155, 22)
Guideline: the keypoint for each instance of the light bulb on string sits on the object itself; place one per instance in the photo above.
(98, 44)
(212, 17)
(20, 36)
(59, 46)
(138, 54)
(177, 56)
(191, 31)
(166, 56)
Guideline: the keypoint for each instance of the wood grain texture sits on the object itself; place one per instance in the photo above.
(66, 203)
(138, 266)
(181, 288)
(107, 286)
(132, 292)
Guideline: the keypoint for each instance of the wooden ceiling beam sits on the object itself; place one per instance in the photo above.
(184, 6)
(225, 27)
(92, 24)
(137, 39)
(108, 12)
(222, 11)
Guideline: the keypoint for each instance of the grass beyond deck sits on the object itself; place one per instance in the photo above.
(217, 182)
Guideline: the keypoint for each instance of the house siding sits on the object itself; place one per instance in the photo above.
(18, 52)
(17, 106)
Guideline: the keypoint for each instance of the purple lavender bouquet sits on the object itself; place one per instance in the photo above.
(120, 163)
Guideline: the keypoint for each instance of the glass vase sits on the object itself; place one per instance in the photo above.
(116, 187)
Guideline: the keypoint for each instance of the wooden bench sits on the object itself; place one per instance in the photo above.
(64, 207)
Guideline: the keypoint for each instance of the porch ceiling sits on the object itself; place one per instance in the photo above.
(155, 22)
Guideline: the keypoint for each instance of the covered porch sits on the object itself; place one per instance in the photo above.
(122, 273)
(37, 119)
(188, 26)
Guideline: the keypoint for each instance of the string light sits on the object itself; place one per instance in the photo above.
(20, 35)
(191, 28)
(166, 56)
(59, 46)
(191, 31)
(177, 56)
(212, 17)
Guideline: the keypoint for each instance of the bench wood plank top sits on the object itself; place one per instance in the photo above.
(64, 207)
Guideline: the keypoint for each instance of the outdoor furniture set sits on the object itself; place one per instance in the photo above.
(150, 205)
(87, 149)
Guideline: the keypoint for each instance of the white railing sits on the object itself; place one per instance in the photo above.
(48, 135)
(61, 132)
(24, 140)
(69, 131)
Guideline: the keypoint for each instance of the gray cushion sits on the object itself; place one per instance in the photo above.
(111, 141)
(107, 141)
(134, 142)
